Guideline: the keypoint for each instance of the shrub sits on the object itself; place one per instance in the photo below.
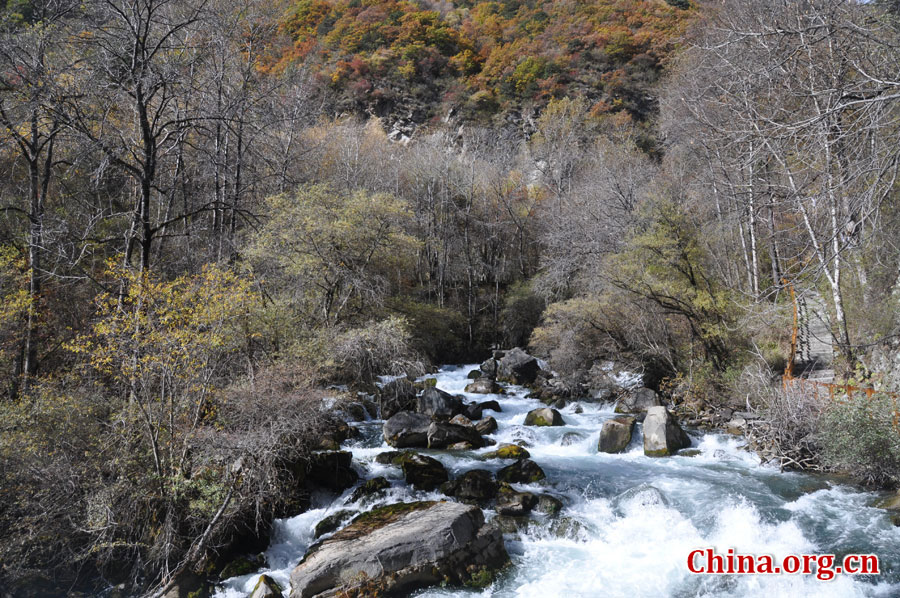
(861, 434)
(359, 355)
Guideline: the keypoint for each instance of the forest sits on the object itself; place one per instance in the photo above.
(213, 213)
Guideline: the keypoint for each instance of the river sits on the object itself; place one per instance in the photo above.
(635, 545)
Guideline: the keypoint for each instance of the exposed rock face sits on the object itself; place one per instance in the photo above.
(477, 485)
(545, 416)
(475, 375)
(406, 429)
(524, 471)
(396, 396)
(662, 434)
(508, 451)
(441, 436)
(615, 435)
(484, 386)
(439, 404)
(517, 367)
(638, 400)
(399, 548)
(486, 426)
(422, 472)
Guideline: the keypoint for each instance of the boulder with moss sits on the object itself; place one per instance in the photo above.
(544, 416)
(266, 587)
(524, 471)
(399, 548)
(508, 451)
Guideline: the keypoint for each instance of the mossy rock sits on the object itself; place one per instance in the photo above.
(393, 457)
(524, 471)
(890, 503)
(689, 453)
(481, 578)
(377, 518)
(544, 417)
(508, 451)
(369, 488)
(331, 523)
(266, 587)
(242, 566)
(549, 505)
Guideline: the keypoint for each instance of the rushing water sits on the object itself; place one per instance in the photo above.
(721, 498)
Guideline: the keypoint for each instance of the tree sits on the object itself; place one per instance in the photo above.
(32, 61)
(337, 255)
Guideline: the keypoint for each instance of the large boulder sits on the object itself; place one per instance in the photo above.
(544, 416)
(615, 435)
(406, 429)
(440, 436)
(638, 400)
(477, 485)
(662, 434)
(330, 470)
(400, 548)
(422, 472)
(524, 471)
(484, 386)
(438, 404)
(517, 367)
(396, 396)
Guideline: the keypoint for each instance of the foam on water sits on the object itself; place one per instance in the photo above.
(636, 545)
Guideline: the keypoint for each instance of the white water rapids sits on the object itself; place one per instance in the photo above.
(722, 498)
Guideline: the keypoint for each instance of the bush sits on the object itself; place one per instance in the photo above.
(522, 309)
(862, 435)
(359, 355)
(437, 333)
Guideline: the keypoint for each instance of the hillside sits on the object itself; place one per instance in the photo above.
(422, 59)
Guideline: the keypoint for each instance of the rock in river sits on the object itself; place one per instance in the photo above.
(517, 367)
(616, 434)
(439, 404)
(399, 548)
(662, 434)
(405, 430)
(524, 471)
(544, 417)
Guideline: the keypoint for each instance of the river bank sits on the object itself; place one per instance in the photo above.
(627, 521)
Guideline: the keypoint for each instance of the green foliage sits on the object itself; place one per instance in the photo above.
(666, 264)
(437, 333)
(335, 255)
(861, 435)
(522, 309)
